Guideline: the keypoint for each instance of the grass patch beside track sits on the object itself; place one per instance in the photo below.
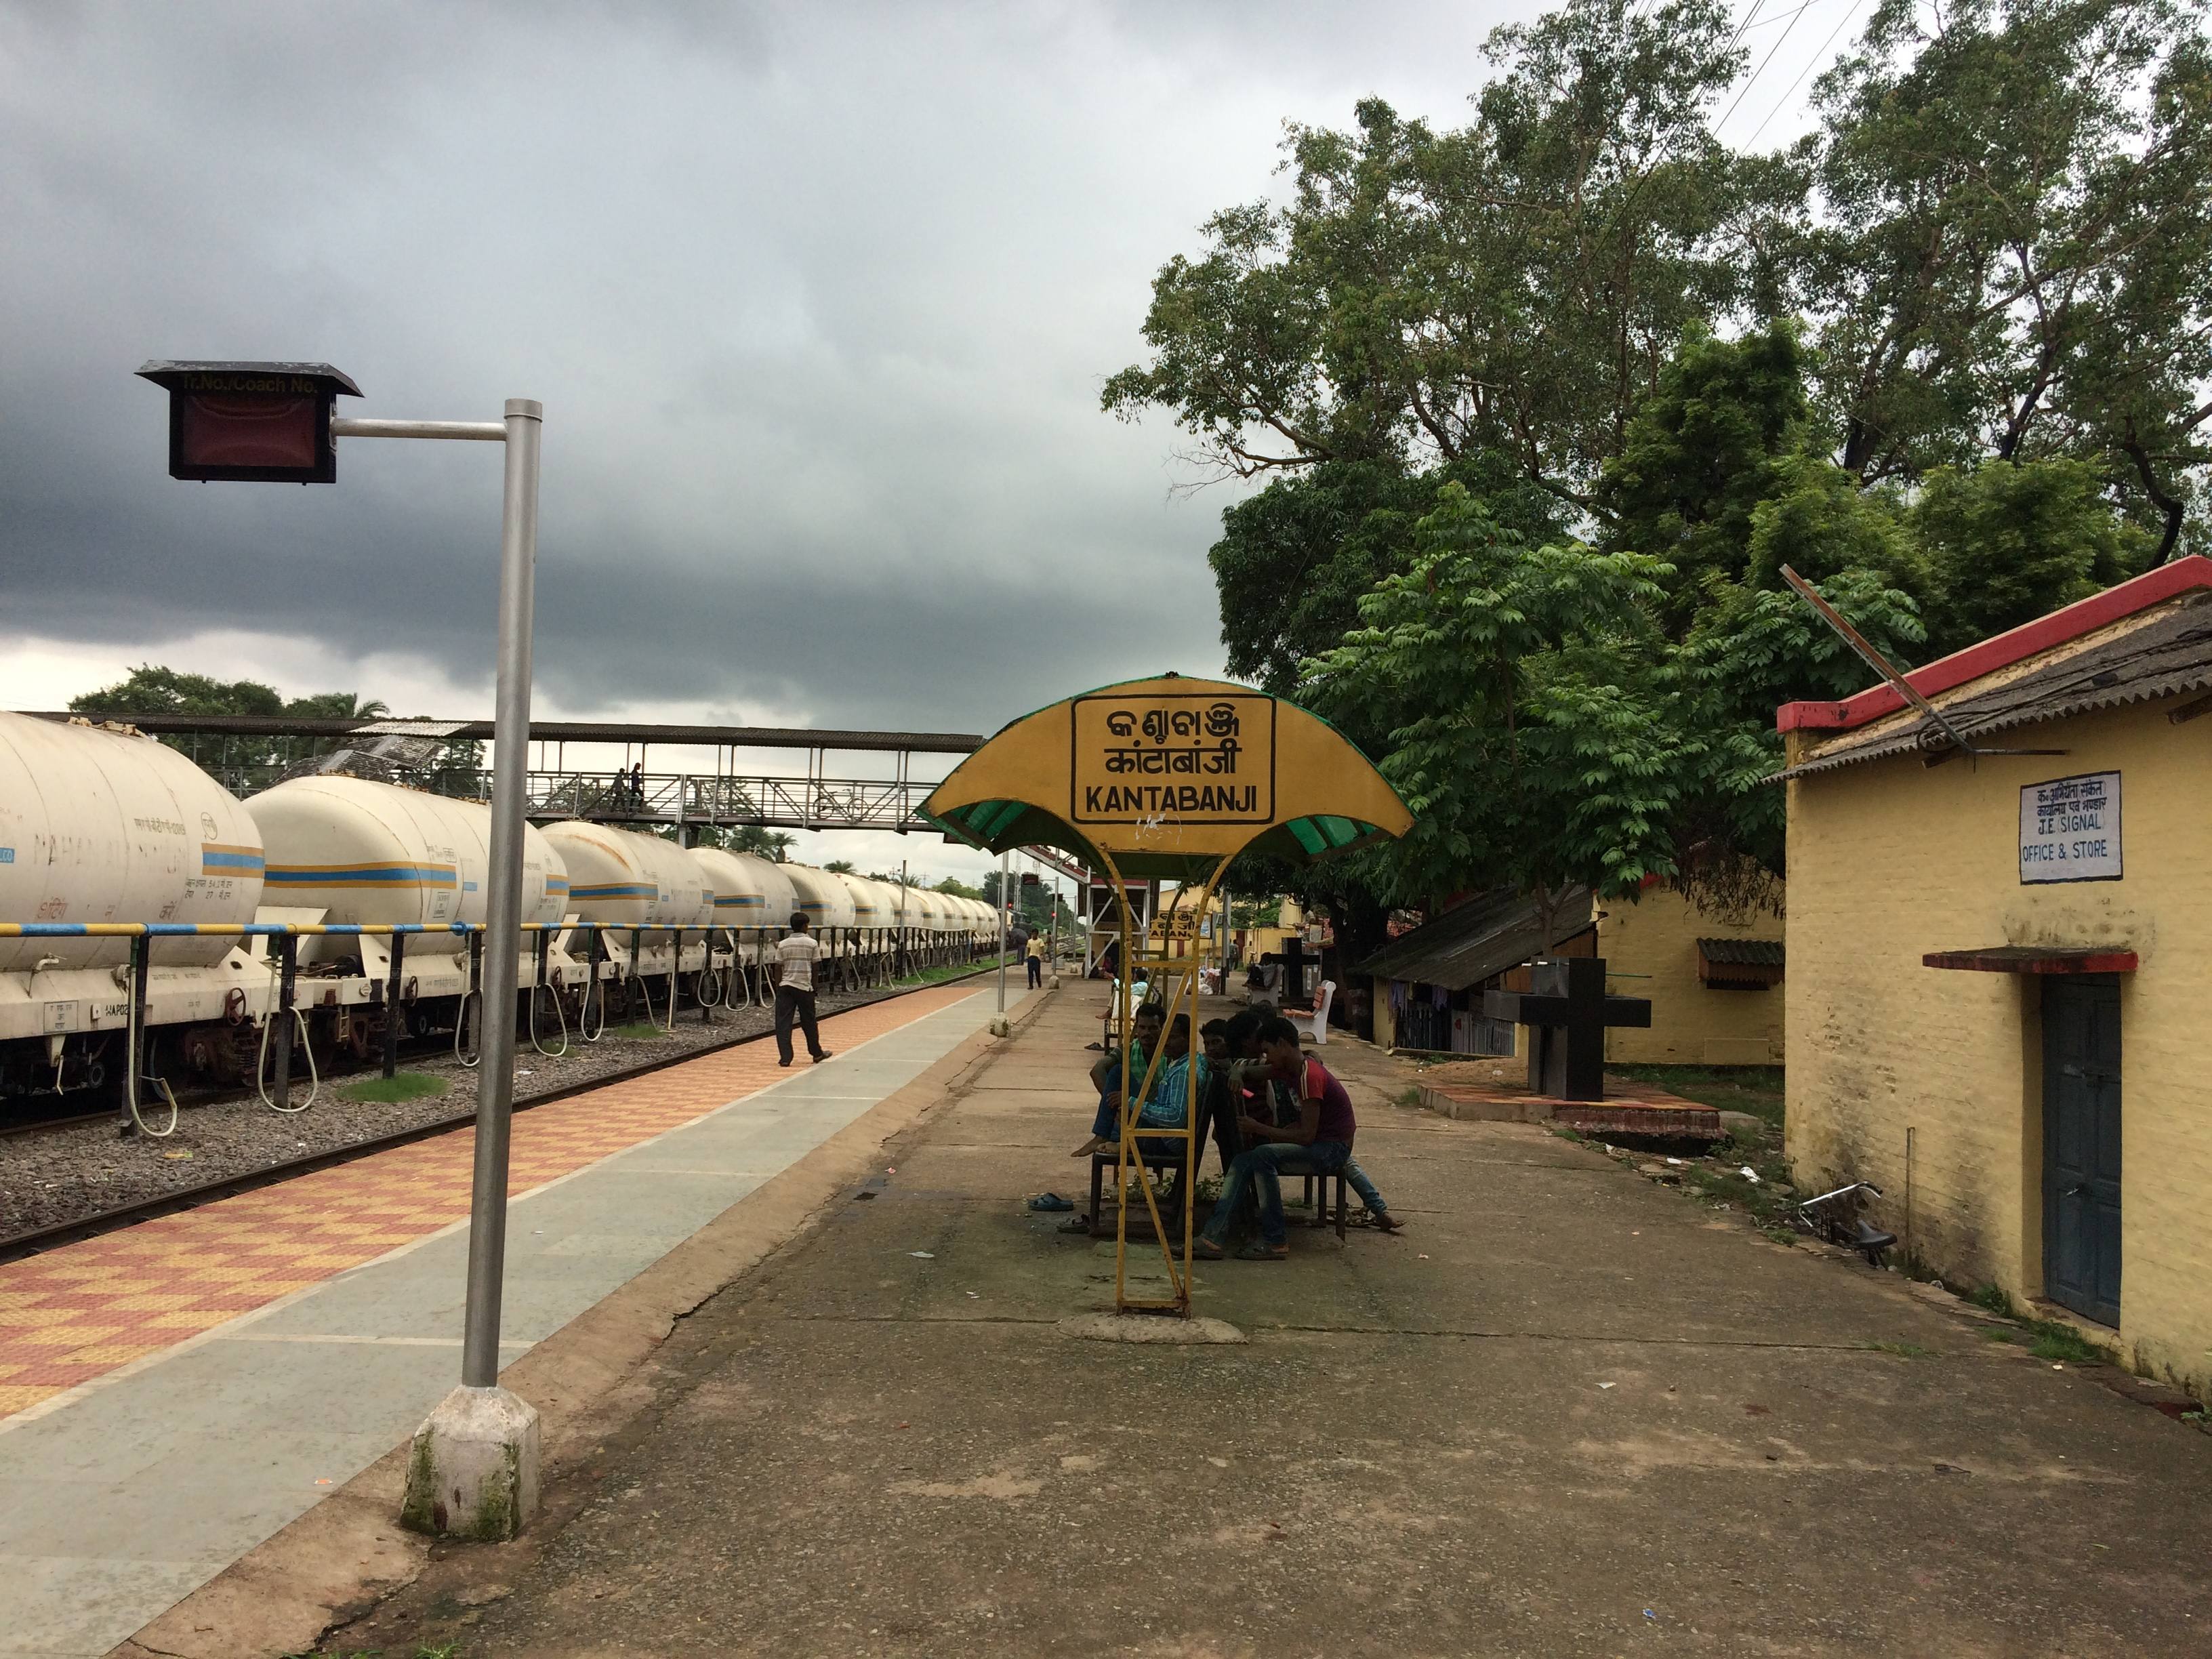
(394, 1090)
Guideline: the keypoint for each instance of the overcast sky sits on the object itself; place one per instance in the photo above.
(818, 300)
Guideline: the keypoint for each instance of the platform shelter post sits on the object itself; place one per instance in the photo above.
(1168, 778)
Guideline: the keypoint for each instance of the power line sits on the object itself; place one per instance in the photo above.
(1750, 18)
(1756, 73)
(1808, 3)
(1851, 10)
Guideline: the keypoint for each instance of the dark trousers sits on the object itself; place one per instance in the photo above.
(1037, 972)
(789, 1000)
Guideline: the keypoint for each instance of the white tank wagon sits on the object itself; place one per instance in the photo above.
(103, 825)
(354, 852)
(753, 899)
(929, 923)
(827, 904)
(876, 917)
(363, 852)
(643, 887)
(630, 880)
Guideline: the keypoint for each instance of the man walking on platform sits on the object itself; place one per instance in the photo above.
(1035, 954)
(797, 953)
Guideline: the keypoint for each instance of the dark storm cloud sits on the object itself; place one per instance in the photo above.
(817, 302)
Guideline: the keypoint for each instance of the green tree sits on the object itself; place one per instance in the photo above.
(958, 888)
(1712, 442)
(1294, 560)
(2007, 541)
(840, 867)
(150, 689)
(772, 845)
(1512, 286)
(2014, 255)
(1530, 731)
(1751, 650)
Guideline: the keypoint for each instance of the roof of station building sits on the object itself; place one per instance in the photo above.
(1479, 939)
(2159, 654)
(2149, 591)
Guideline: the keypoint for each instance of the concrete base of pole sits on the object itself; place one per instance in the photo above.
(1000, 1026)
(473, 1473)
(1052, 983)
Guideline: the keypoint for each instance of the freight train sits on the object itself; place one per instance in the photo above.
(100, 824)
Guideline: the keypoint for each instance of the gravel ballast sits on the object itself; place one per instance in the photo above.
(53, 1177)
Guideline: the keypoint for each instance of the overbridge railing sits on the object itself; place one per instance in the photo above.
(673, 797)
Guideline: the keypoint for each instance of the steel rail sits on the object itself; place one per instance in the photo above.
(38, 1240)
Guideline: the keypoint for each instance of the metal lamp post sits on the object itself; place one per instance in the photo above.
(999, 1026)
(475, 1472)
(475, 1467)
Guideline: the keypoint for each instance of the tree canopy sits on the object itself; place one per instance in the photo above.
(1542, 406)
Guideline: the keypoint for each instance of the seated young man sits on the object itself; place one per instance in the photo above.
(1106, 1077)
(1318, 1142)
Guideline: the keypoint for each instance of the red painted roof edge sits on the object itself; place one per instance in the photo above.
(2003, 650)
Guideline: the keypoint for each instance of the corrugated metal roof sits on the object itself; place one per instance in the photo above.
(1481, 938)
(2170, 654)
(1742, 952)
(408, 729)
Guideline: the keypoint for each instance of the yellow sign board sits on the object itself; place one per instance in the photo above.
(1167, 777)
(1195, 757)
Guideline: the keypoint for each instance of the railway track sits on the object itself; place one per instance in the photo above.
(17, 1246)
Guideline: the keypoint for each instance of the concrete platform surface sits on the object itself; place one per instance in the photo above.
(125, 1494)
(1566, 1411)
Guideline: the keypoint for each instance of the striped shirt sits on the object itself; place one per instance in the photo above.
(797, 953)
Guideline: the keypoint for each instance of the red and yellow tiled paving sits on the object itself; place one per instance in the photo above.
(72, 1314)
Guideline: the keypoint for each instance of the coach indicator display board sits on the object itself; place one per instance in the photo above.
(251, 423)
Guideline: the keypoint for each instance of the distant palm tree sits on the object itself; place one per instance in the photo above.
(839, 866)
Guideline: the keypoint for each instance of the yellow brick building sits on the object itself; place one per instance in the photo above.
(1714, 980)
(2001, 965)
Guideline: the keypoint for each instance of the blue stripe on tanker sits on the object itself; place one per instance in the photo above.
(363, 875)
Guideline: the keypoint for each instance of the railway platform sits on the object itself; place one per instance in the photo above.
(172, 1394)
(1566, 1412)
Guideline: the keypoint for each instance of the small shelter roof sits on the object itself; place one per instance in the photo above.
(1167, 777)
(1479, 939)
(2164, 654)
(1742, 952)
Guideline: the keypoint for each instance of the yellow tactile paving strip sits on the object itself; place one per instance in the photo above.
(72, 1314)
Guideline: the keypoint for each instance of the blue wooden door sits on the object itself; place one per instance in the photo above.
(2082, 1145)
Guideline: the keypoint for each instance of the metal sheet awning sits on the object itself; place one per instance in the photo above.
(2037, 959)
(1478, 940)
(1741, 963)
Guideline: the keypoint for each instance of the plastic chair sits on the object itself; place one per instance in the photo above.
(1315, 1025)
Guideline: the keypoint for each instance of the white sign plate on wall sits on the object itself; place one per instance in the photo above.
(2069, 829)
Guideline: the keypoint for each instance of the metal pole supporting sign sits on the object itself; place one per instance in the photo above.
(475, 1469)
(474, 1472)
(998, 1026)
